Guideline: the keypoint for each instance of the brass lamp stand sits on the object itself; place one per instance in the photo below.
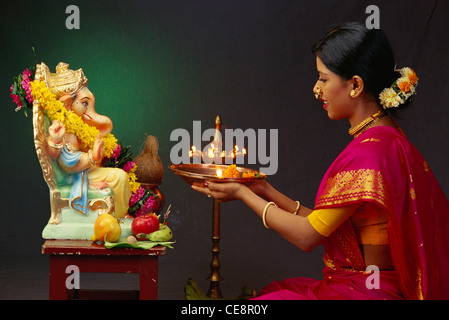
(214, 277)
(199, 173)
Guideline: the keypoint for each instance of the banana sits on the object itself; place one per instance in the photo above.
(193, 292)
(163, 234)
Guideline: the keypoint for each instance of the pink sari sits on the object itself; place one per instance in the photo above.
(383, 167)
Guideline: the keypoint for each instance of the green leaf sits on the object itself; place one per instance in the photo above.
(122, 243)
(124, 156)
(15, 89)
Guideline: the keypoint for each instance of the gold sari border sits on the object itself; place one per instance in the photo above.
(352, 186)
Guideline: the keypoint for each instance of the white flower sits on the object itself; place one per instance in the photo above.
(405, 72)
(389, 98)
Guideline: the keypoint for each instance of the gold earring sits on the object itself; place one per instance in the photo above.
(318, 93)
(352, 93)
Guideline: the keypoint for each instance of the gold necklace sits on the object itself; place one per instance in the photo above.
(365, 124)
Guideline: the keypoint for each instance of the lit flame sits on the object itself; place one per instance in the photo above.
(210, 153)
(219, 173)
(192, 151)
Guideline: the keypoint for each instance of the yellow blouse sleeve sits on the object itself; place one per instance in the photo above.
(326, 221)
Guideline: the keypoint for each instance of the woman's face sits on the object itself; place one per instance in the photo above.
(335, 92)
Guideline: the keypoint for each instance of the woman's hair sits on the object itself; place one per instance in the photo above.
(352, 49)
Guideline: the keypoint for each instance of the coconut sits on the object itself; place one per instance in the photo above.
(149, 166)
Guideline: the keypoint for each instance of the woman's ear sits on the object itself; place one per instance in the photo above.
(357, 86)
(67, 101)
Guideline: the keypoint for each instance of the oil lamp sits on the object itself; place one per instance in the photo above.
(214, 162)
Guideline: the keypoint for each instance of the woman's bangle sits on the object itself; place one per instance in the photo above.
(298, 206)
(264, 213)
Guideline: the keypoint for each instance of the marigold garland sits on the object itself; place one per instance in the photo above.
(72, 122)
(130, 168)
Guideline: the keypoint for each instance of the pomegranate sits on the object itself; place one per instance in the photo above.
(142, 226)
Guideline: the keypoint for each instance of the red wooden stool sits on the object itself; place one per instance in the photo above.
(94, 257)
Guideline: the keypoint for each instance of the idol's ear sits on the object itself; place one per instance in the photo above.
(67, 101)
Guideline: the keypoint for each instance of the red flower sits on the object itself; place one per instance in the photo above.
(16, 98)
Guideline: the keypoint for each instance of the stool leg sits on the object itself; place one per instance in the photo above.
(58, 289)
(148, 277)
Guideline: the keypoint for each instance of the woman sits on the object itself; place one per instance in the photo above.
(378, 204)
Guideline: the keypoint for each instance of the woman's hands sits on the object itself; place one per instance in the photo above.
(293, 227)
(222, 191)
(261, 188)
(228, 191)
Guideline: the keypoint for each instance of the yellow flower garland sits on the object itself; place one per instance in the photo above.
(133, 184)
(74, 124)
(71, 121)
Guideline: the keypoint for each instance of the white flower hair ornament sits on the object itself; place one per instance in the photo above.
(401, 90)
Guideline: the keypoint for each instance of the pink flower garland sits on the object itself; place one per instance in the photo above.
(26, 84)
(116, 152)
(149, 205)
(129, 166)
(26, 79)
(16, 99)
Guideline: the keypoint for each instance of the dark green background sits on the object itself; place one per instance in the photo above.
(155, 66)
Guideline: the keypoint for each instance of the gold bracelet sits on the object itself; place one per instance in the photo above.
(298, 206)
(91, 158)
(264, 213)
(56, 145)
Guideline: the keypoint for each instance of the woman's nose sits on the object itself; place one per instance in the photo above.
(317, 90)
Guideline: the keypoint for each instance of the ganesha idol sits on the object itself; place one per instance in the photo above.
(80, 188)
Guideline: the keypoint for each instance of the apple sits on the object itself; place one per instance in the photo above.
(142, 226)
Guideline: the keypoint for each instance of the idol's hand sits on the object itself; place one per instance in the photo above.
(97, 151)
(56, 131)
(222, 191)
